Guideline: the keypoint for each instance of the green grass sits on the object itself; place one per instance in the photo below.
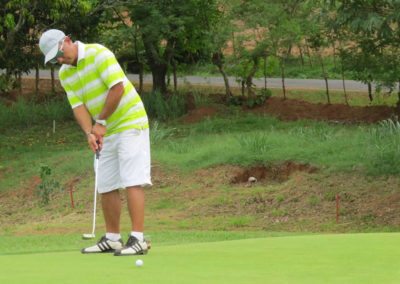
(235, 139)
(249, 139)
(351, 258)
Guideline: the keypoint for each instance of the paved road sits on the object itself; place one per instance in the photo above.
(272, 82)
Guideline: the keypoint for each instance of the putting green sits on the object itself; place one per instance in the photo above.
(349, 258)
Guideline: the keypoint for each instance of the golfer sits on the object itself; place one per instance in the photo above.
(112, 115)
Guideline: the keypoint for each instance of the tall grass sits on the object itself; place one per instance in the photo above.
(24, 113)
(384, 148)
(164, 108)
(250, 140)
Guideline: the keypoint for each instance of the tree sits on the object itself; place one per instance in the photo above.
(167, 26)
(372, 28)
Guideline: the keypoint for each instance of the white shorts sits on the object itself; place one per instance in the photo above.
(124, 161)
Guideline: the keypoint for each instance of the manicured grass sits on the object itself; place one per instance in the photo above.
(351, 258)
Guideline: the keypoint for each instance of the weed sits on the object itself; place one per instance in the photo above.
(313, 200)
(241, 221)
(330, 196)
(254, 143)
(279, 212)
(159, 133)
(280, 198)
(47, 186)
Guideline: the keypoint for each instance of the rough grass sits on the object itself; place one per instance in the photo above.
(250, 139)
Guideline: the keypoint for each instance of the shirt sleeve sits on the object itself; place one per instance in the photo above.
(108, 67)
(73, 99)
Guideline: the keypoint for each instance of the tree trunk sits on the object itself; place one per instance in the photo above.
(37, 80)
(301, 56)
(168, 77)
(233, 44)
(217, 60)
(19, 82)
(283, 78)
(325, 78)
(140, 78)
(53, 84)
(175, 75)
(309, 55)
(159, 71)
(344, 86)
(370, 92)
(158, 64)
(265, 72)
(398, 96)
(249, 78)
(334, 55)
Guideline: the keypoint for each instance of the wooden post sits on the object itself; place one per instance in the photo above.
(337, 207)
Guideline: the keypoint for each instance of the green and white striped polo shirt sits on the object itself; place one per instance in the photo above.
(88, 83)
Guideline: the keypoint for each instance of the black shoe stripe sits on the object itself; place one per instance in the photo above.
(107, 245)
(137, 247)
(100, 245)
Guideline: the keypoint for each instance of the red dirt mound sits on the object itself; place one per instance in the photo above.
(278, 173)
(291, 109)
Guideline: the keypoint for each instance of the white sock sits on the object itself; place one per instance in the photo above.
(113, 236)
(138, 235)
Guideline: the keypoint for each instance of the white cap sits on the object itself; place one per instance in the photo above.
(48, 43)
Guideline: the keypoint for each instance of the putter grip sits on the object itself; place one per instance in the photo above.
(98, 150)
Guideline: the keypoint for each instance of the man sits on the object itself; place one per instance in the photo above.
(99, 91)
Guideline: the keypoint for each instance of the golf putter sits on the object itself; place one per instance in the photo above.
(92, 235)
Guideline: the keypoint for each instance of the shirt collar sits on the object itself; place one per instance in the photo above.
(81, 50)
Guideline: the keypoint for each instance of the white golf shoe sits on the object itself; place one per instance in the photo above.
(133, 247)
(104, 245)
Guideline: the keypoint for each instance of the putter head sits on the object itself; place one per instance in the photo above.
(88, 236)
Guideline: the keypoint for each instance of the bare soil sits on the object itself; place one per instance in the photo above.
(291, 109)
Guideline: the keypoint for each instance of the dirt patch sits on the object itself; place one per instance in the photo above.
(278, 173)
(70, 185)
(199, 114)
(291, 109)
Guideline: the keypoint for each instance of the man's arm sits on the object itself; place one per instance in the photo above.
(112, 101)
(84, 119)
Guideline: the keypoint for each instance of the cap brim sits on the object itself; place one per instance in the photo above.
(51, 54)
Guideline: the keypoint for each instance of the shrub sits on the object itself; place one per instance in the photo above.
(164, 108)
(47, 186)
(259, 99)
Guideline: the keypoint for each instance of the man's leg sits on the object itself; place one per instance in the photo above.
(135, 196)
(111, 242)
(136, 243)
(111, 204)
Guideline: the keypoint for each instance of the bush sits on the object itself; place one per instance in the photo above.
(47, 186)
(251, 102)
(6, 83)
(164, 108)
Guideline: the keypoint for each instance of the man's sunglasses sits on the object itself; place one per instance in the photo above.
(60, 51)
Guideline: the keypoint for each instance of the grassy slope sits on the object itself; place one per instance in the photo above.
(186, 195)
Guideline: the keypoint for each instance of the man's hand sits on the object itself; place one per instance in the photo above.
(94, 143)
(99, 130)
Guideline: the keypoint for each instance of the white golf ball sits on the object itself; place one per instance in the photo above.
(139, 263)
